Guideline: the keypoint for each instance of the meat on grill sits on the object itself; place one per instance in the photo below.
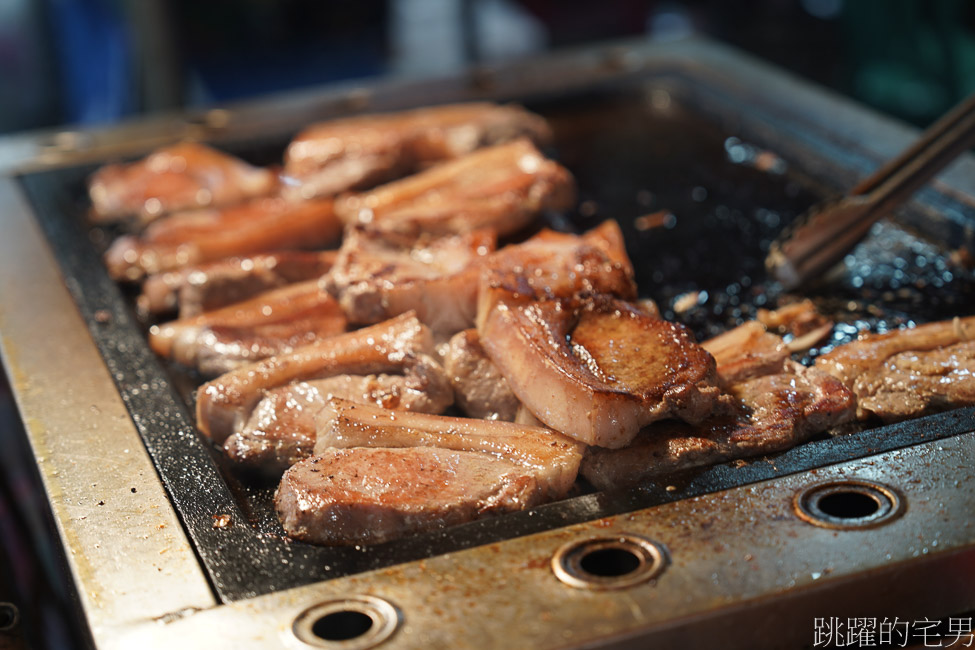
(908, 372)
(503, 187)
(369, 495)
(224, 404)
(179, 177)
(195, 289)
(358, 152)
(197, 236)
(597, 369)
(774, 403)
(377, 276)
(445, 471)
(558, 265)
(273, 322)
(480, 390)
(282, 429)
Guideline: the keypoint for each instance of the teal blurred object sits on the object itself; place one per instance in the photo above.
(910, 58)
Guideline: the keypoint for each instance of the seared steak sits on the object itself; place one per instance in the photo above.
(502, 187)
(205, 287)
(282, 428)
(224, 404)
(358, 152)
(774, 412)
(274, 322)
(377, 276)
(596, 369)
(179, 177)
(198, 236)
(378, 474)
(369, 495)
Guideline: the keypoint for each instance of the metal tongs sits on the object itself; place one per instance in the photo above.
(822, 235)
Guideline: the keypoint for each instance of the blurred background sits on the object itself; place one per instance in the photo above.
(82, 62)
(96, 62)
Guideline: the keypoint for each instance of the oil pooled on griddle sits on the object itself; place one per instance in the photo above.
(699, 208)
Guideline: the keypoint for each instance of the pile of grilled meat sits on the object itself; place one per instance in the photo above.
(440, 365)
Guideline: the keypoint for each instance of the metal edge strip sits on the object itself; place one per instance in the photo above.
(125, 545)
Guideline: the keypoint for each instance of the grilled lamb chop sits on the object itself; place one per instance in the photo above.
(557, 265)
(198, 236)
(377, 276)
(501, 187)
(597, 369)
(479, 388)
(847, 362)
(180, 177)
(205, 287)
(281, 430)
(437, 477)
(908, 372)
(775, 412)
(371, 495)
(274, 322)
(355, 153)
(224, 404)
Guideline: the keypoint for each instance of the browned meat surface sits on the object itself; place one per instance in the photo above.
(182, 176)
(274, 322)
(282, 428)
(205, 287)
(774, 412)
(596, 369)
(224, 404)
(557, 265)
(552, 458)
(368, 495)
(377, 276)
(913, 383)
(747, 351)
(502, 187)
(358, 152)
(198, 236)
(479, 388)
(849, 361)
(378, 474)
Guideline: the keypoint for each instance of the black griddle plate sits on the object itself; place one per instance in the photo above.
(699, 178)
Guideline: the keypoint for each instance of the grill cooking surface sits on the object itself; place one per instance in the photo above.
(699, 192)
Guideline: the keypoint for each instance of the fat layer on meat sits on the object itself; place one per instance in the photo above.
(179, 177)
(552, 458)
(358, 152)
(198, 236)
(224, 404)
(503, 187)
(274, 322)
(913, 383)
(366, 495)
(282, 428)
(774, 412)
(480, 390)
(195, 289)
(849, 361)
(377, 276)
(597, 369)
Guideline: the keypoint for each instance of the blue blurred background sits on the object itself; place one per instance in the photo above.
(81, 62)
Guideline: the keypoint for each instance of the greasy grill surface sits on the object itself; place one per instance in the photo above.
(699, 195)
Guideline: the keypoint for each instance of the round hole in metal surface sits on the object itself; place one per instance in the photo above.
(353, 623)
(609, 562)
(342, 626)
(848, 504)
(9, 616)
